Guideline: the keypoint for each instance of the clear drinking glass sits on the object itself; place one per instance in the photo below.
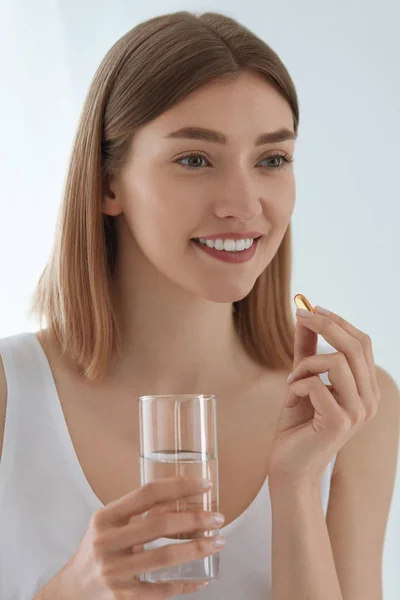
(178, 436)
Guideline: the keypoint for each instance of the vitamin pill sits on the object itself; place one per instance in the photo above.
(302, 302)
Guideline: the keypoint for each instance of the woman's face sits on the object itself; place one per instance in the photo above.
(166, 198)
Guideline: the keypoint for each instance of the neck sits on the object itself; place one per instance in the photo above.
(175, 347)
(173, 341)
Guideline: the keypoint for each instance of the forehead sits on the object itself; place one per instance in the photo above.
(242, 108)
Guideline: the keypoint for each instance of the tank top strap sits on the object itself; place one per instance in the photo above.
(27, 398)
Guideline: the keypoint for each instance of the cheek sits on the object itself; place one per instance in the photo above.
(149, 212)
(280, 203)
(160, 229)
(162, 204)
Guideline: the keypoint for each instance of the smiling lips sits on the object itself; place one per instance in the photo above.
(228, 250)
(231, 236)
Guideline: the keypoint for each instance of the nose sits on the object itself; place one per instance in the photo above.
(239, 201)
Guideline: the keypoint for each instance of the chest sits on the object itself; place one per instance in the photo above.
(105, 435)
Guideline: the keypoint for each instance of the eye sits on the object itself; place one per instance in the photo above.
(189, 156)
(284, 157)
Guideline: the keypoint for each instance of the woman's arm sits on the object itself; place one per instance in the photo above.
(340, 558)
(302, 562)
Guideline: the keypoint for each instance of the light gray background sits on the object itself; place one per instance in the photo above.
(344, 59)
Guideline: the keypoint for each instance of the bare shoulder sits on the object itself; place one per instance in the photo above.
(3, 403)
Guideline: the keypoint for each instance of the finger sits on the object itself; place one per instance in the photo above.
(191, 503)
(144, 498)
(340, 376)
(344, 342)
(321, 398)
(305, 342)
(123, 568)
(166, 589)
(365, 341)
(146, 530)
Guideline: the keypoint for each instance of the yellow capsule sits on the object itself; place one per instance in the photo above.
(302, 302)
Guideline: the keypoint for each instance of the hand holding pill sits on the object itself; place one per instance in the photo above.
(316, 419)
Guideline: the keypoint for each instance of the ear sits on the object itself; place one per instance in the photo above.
(109, 203)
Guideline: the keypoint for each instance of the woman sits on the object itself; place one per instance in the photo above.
(170, 274)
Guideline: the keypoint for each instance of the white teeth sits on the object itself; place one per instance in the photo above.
(228, 245)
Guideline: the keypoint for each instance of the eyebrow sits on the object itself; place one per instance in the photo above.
(209, 135)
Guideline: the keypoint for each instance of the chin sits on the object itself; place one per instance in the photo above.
(226, 294)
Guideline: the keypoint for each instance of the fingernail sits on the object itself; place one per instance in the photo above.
(218, 519)
(199, 586)
(301, 312)
(218, 542)
(205, 483)
(321, 311)
(290, 378)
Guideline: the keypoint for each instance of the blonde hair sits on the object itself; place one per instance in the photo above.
(149, 69)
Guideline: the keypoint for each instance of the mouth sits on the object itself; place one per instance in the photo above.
(235, 252)
(219, 243)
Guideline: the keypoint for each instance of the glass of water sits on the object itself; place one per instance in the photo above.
(178, 436)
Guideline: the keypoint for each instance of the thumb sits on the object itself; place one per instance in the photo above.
(305, 343)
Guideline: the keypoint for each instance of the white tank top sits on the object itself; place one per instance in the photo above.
(46, 501)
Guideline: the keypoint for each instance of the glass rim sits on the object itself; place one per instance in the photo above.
(177, 396)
